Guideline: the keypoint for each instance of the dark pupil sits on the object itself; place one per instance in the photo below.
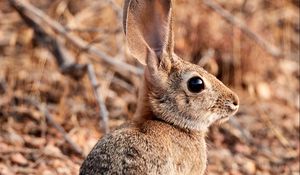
(195, 84)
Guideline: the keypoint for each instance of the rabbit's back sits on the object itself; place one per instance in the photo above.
(152, 147)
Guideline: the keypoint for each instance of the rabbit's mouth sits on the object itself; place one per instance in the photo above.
(224, 118)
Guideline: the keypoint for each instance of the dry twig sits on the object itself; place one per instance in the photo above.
(122, 83)
(44, 110)
(271, 49)
(116, 8)
(99, 98)
(83, 45)
(63, 59)
(246, 135)
(278, 134)
(207, 56)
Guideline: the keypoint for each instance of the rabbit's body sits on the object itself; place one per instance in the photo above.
(177, 103)
(152, 147)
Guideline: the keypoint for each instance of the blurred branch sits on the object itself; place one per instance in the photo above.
(271, 49)
(206, 57)
(94, 30)
(278, 134)
(116, 8)
(44, 110)
(122, 83)
(63, 59)
(246, 135)
(99, 98)
(83, 45)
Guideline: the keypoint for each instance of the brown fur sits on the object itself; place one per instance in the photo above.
(167, 135)
(152, 147)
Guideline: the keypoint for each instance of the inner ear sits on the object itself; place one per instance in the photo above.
(155, 25)
(148, 25)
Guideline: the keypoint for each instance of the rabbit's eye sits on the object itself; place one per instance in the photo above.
(195, 84)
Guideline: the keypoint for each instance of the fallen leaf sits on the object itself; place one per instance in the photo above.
(19, 159)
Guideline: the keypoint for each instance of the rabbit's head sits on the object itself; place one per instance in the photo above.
(178, 92)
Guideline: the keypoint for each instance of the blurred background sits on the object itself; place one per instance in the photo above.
(64, 66)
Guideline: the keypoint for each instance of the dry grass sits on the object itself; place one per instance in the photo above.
(263, 139)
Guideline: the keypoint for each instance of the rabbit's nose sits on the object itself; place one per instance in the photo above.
(234, 102)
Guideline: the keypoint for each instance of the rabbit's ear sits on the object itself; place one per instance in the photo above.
(148, 28)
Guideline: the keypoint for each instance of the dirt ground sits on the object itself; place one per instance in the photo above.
(262, 138)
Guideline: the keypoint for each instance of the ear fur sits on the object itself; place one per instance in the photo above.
(148, 28)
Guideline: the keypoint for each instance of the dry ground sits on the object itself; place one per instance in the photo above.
(262, 139)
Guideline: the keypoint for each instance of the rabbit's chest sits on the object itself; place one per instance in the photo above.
(189, 157)
(178, 160)
(175, 151)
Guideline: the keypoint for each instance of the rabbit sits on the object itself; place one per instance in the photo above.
(177, 103)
